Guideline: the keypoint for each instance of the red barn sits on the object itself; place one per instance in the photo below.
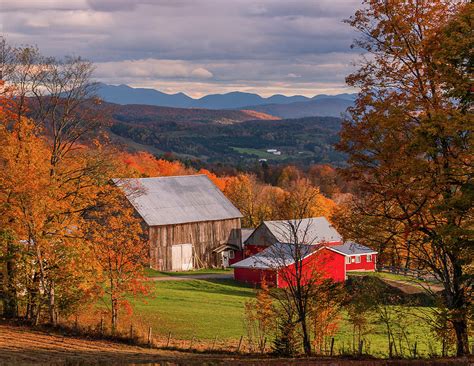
(277, 265)
(326, 253)
(310, 231)
(357, 257)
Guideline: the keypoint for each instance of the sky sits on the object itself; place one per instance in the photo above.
(197, 47)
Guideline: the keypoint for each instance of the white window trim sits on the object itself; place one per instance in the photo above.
(357, 259)
(368, 258)
(348, 260)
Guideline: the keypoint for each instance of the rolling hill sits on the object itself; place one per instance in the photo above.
(281, 105)
(231, 137)
(323, 106)
(138, 114)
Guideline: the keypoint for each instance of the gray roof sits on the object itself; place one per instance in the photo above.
(246, 234)
(351, 248)
(309, 231)
(276, 256)
(177, 200)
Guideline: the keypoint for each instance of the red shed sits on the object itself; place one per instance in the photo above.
(277, 264)
(357, 257)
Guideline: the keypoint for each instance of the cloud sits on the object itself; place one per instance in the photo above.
(149, 69)
(241, 43)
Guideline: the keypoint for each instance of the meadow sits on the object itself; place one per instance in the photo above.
(208, 309)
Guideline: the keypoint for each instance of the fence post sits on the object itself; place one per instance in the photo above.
(76, 325)
(168, 342)
(149, 336)
(240, 343)
(131, 331)
(332, 346)
(390, 349)
(264, 344)
(361, 344)
(101, 326)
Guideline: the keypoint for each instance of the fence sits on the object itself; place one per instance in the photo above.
(414, 273)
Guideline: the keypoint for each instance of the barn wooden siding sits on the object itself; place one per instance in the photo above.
(205, 236)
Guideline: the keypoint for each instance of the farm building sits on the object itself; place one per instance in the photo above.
(189, 221)
(276, 264)
(310, 231)
(358, 257)
(329, 254)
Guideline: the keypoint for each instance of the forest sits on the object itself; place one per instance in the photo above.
(210, 140)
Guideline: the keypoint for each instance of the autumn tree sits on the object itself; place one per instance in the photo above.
(117, 240)
(260, 317)
(50, 178)
(409, 140)
(255, 200)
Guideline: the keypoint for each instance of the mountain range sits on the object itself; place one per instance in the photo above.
(277, 105)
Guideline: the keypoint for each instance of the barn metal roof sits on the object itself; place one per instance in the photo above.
(246, 234)
(309, 231)
(177, 200)
(276, 256)
(350, 248)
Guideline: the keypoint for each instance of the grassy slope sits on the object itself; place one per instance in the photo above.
(205, 309)
(201, 308)
(154, 273)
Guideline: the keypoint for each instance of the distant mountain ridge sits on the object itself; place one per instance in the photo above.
(277, 105)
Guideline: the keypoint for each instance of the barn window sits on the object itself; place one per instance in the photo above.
(348, 260)
(231, 254)
(369, 257)
(358, 259)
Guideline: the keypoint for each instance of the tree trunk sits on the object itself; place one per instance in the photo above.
(114, 314)
(10, 302)
(52, 305)
(306, 340)
(462, 342)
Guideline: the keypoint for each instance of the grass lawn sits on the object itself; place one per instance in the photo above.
(391, 276)
(200, 308)
(154, 273)
(208, 308)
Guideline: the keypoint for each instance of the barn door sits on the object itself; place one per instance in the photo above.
(182, 257)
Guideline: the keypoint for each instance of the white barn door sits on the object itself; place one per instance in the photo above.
(182, 257)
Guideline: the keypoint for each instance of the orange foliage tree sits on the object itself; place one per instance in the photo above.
(117, 241)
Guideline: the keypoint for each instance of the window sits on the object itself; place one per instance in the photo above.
(358, 259)
(231, 254)
(348, 260)
(369, 257)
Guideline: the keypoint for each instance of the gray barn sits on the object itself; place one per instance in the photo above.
(190, 223)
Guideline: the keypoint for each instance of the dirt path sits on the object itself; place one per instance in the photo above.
(210, 276)
(24, 346)
(411, 287)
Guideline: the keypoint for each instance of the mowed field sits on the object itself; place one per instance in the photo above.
(213, 311)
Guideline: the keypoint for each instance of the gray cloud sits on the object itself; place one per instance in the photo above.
(192, 45)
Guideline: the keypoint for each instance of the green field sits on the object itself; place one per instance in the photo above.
(261, 154)
(154, 273)
(205, 309)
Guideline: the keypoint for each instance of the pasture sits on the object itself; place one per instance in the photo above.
(206, 309)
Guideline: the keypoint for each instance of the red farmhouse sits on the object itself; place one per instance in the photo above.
(358, 257)
(270, 253)
(277, 265)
